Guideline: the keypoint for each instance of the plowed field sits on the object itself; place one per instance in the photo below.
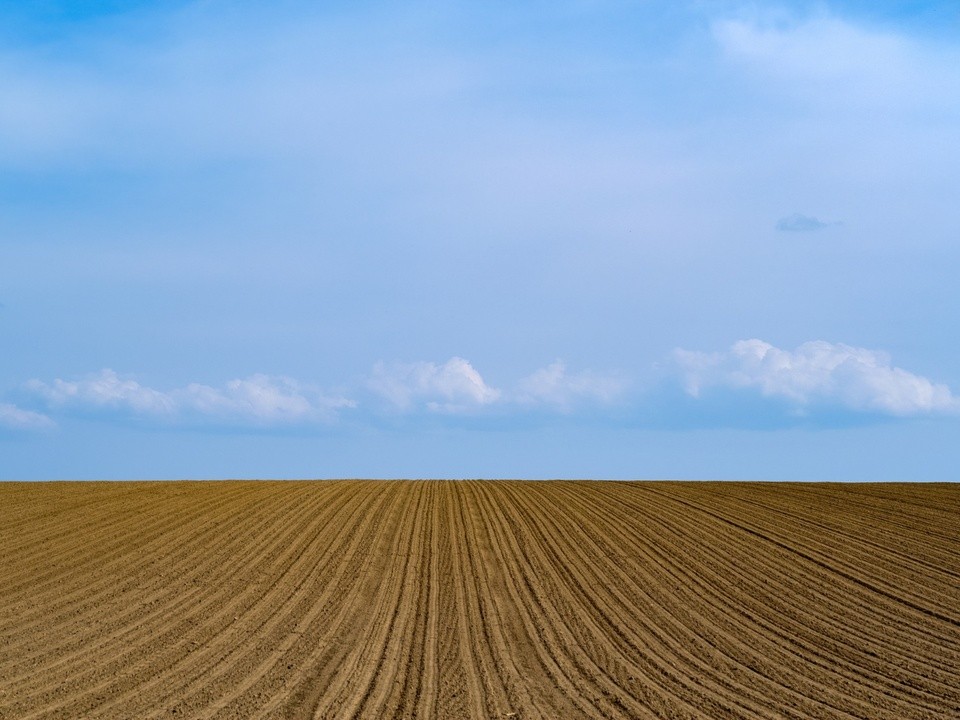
(369, 599)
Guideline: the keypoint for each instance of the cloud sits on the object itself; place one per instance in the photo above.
(456, 387)
(105, 390)
(802, 223)
(259, 400)
(838, 61)
(202, 84)
(821, 45)
(453, 387)
(814, 376)
(262, 399)
(751, 385)
(14, 418)
(553, 386)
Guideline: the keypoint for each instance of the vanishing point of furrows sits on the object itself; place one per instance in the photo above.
(402, 599)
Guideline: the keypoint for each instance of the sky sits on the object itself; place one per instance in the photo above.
(567, 239)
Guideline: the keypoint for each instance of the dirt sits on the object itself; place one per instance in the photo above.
(376, 599)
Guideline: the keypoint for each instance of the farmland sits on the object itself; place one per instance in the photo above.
(479, 599)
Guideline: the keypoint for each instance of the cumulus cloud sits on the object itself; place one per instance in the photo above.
(259, 400)
(453, 387)
(554, 386)
(14, 418)
(802, 223)
(817, 373)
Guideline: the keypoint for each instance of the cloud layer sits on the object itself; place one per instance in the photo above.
(752, 384)
(259, 400)
(816, 374)
(454, 387)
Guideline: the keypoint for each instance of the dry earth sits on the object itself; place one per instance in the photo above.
(479, 600)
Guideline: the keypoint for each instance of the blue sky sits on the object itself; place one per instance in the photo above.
(565, 239)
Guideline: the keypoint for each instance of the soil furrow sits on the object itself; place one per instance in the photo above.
(709, 608)
(479, 599)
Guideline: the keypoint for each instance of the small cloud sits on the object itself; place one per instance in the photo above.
(803, 223)
(453, 387)
(554, 386)
(815, 376)
(14, 418)
(258, 401)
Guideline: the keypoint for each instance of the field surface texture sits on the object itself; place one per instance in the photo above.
(376, 599)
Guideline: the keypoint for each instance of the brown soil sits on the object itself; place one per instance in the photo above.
(367, 599)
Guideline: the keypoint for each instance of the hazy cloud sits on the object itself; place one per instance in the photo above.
(817, 373)
(14, 418)
(259, 400)
(453, 387)
(457, 387)
(554, 386)
(831, 59)
(802, 223)
(262, 399)
(105, 390)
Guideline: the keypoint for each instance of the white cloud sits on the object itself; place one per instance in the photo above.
(261, 399)
(453, 387)
(456, 387)
(257, 400)
(106, 390)
(449, 388)
(14, 418)
(817, 372)
(554, 386)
